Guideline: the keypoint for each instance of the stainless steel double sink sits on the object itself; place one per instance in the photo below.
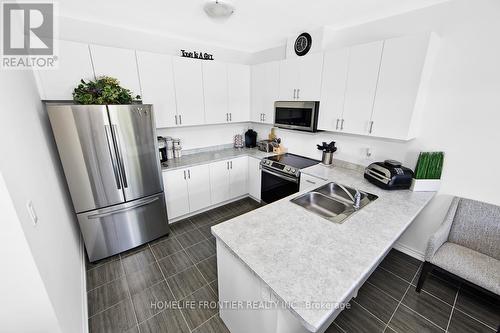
(334, 202)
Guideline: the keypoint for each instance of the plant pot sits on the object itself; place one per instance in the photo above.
(425, 185)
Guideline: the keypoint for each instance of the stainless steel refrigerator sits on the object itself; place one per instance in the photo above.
(109, 154)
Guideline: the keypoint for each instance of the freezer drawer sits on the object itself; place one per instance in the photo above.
(119, 228)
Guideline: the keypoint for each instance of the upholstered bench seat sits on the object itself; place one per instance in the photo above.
(470, 265)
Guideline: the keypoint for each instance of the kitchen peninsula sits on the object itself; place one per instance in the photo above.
(284, 253)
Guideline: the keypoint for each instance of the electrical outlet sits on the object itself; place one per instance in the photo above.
(32, 212)
(368, 152)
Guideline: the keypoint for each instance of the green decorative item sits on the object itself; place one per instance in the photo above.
(429, 165)
(428, 172)
(104, 90)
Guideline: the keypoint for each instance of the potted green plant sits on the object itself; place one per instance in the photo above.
(428, 172)
(103, 90)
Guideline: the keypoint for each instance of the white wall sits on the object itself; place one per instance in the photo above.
(23, 292)
(461, 116)
(31, 169)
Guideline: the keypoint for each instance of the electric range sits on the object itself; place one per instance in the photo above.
(281, 175)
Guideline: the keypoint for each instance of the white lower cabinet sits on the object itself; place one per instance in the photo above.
(195, 188)
(254, 177)
(186, 190)
(219, 181)
(198, 179)
(308, 182)
(238, 169)
(176, 193)
(228, 179)
(238, 284)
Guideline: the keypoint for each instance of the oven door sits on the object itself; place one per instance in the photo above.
(296, 115)
(276, 185)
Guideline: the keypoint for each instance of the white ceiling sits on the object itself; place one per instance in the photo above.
(255, 25)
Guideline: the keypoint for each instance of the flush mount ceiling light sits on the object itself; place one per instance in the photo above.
(218, 9)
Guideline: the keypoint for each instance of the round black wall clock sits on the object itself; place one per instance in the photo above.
(303, 44)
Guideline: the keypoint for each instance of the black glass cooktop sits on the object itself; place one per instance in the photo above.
(296, 161)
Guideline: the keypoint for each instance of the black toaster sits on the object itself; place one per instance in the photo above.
(389, 175)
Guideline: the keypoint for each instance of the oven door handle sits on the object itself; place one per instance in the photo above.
(290, 179)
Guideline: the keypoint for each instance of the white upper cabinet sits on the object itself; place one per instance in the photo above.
(402, 72)
(300, 78)
(335, 69)
(289, 79)
(310, 70)
(361, 85)
(238, 92)
(265, 83)
(74, 64)
(189, 91)
(215, 92)
(157, 82)
(118, 63)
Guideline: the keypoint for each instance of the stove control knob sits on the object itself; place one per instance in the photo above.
(293, 170)
(288, 169)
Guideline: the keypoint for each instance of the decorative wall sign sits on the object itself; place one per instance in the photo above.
(197, 55)
(303, 44)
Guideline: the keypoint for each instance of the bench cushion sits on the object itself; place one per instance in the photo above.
(470, 265)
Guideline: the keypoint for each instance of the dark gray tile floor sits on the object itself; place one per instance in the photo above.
(128, 292)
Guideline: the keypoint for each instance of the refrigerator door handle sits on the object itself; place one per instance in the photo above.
(120, 157)
(139, 204)
(109, 139)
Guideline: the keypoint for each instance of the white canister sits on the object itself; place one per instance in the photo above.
(176, 143)
(169, 143)
(170, 153)
(177, 152)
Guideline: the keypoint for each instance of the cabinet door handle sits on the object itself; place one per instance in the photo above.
(371, 127)
(227, 165)
(180, 119)
(263, 117)
(176, 119)
(227, 117)
(189, 174)
(342, 125)
(294, 93)
(184, 174)
(231, 164)
(337, 126)
(230, 116)
(310, 181)
(298, 93)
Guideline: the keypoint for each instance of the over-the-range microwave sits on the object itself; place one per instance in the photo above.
(302, 116)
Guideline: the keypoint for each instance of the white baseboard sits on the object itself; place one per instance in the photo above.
(179, 218)
(409, 251)
(85, 311)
